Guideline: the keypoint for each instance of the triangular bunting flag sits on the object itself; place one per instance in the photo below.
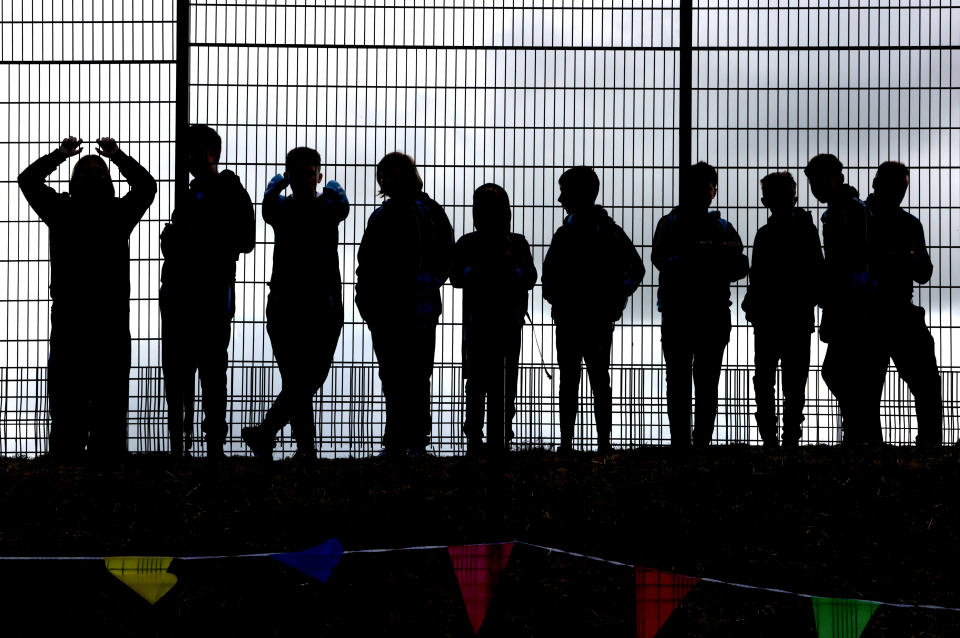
(842, 617)
(478, 569)
(146, 575)
(317, 562)
(658, 594)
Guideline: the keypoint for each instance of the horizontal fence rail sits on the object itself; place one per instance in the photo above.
(514, 94)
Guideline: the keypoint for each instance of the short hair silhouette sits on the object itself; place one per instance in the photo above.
(90, 174)
(778, 185)
(202, 135)
(302, 156)
(491, 208)
(891, 170)
(823, 165)
(702, 173)
(582, 178)
(397, 175)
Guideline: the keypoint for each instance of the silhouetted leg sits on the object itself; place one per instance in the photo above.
(109, 397)
(316, 369)
(854, 370)
(476, 397)
(795, 364)
(678, 359)
(766, 353)
(914, 353)
(390, 371)
(707, 361)
(511, 374)
(495, 396)
(597, 359)
(213, 379)
(569, 354)
(421, 425)
(179, 368)
(66, 374)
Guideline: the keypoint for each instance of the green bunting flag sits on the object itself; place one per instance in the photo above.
(146, 575)
(842, 617)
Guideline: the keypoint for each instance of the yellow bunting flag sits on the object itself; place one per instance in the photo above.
(146, 575)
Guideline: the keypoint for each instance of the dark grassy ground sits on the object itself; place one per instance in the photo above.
(876, 524)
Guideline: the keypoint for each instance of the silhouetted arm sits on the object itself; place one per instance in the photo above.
(32, 181)
(143, 188)
(440, 268)
(552, 278)
(270, 206)
(819, 274)
(460, 266)
(246, 224)
(523, 257)
(634, 269)
(337, 202)
(917, 260)
(665, 254)
(734, 260)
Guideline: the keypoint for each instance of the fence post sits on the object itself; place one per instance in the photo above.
(182, 117)
(685, 121)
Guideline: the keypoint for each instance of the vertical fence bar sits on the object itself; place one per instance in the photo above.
(182, 118)
(685, 121)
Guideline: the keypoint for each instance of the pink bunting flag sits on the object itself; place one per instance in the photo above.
(658, 594)
(478, 569)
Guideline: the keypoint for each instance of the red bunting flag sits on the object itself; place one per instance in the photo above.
(658, 594)
(478, 569)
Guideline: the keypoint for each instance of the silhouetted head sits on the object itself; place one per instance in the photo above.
(397, 176)
(579, 188)
(700, 187)
(779, 191)
(303, 171)
(203, 150)
(90, 179)
(825, 174)
(491, 209)
(891, 182)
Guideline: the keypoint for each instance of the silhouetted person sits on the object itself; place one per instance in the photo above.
(201, 246)
(785, 283)
(495, 269)
(589, 273)
(305, 308)
(898, 258)
(89, 366)
(698, 254)
(854, 367)
(403, 260)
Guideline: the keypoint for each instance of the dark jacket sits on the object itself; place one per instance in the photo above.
(898, 255)
(786, 276)
(698, 254)
(89, 241)
(496, 272)
(201, 244)
(590, 269)
(403, 260)
(306, 235)
(847, 293)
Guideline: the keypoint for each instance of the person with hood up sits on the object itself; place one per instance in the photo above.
(89, 366)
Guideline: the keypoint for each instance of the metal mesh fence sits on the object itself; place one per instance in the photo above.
(512, 93)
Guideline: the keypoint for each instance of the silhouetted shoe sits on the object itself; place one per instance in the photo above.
(390, 453)
(475, 447)
(215, 451)
(260, 442)
(416, 453)
(790, 444)
(565, 449)
(604, 448)
(305, 455)
(771, 444)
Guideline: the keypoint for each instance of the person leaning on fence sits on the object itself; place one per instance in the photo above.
(201, 246)
(589, 273)
(305, 307)
(402, 262)
(898, 258)
(89, 366)
(698, 254)
(854, 366)
(495, 269)
(784, 288)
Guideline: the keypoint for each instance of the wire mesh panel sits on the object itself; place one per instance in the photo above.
(778, 82)
(476, 93)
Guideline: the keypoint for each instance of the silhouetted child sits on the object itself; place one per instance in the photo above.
(402, 262)
(305, 307)
(589, 273)
(201, 246)
(898, 257)
(698, 254)
(854, 367)
(495, 269)
(784, 288)
(89, 366)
